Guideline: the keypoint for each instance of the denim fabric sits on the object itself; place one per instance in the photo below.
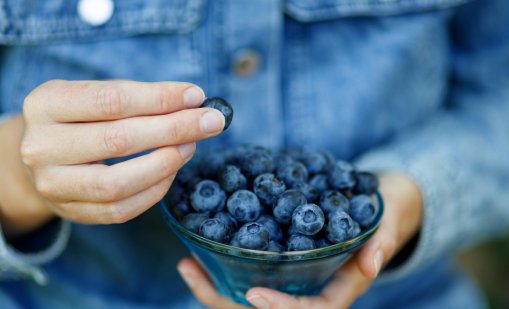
(419, 86)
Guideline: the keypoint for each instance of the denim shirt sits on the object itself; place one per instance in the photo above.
(419, 86)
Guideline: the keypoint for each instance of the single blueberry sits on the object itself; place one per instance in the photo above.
(227, 219)
(308, 219)
(367, 183)
(332, 201)
(268, 188)
(194, 220)
(231, 179)
(322, 243)
(341, 176)
(320, 182)
(208, 196)
(256, 163)
(221, 105)
(286, 204)
(253, 236)
(272, 226)
(315, 162)
(300, 243)
(244, 206)
(292, 173)
(340, 227)
(308, 190)
(363, 210)
(274, 246)
(215, 229)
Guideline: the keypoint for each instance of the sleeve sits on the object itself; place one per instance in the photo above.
(459, 158)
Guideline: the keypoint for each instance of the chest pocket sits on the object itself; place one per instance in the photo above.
(35, 21)
(321, 10)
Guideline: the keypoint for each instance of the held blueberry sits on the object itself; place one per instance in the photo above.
(208, 196)
(268, 188)
(292, 173)
(363, 210)
(332, 201)
(194, 220)
(341, 176)
(231, 179)
(340, 227)
(221, 105)
(253, 236)
(367, 183)
(286, 204)
(244, 206)
(308, 219)
(272, 226)
(214, 229)
(300, 243)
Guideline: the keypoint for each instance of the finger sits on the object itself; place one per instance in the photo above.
(116, 212)
(100, 183)
(78, 101)
(88, 142)
(268, 298)
(202, 288)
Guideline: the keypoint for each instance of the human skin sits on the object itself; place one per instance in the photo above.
(51, 158)
(402, 219)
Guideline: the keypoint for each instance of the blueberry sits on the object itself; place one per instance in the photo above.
(340, 227)
(253, 236)
(308, 219)
(292, 230)
(322, 243)
(319, 181)
(293, 152)
(286, 204)
(274, 246)
(231, 179)
(272, 226)
(214, 229)
(210, 167)
(244, 206)
(292, 173)
(185, 176)
(367, 183)
(268, 188)
(176, 194)
(300, 243)
(282, 159)
(194, 220)
(363, 210)
(308, 190)
(315, 162)
(235, 240)
(208, 196)
(221, 105)
(256, 163)
(331, 201)
(356, 230)
(227, 219)
(341, 176)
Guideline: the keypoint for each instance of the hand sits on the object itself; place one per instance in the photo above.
(401, 220)
(70, 127)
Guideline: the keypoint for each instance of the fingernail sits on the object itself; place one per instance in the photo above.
(186, 275)
(378, 260)
(187, 150)
(193, 96)
(258, 301)
(212, 121)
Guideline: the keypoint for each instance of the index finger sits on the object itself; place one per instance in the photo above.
(84, 101)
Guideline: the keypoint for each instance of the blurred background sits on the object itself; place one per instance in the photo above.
(489, 264)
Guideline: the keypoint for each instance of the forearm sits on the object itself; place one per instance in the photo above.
(22, 209)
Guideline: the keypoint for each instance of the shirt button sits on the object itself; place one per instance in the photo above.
(246, 62)
(95, 12)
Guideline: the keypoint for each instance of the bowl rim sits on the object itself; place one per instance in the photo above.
(317, 253)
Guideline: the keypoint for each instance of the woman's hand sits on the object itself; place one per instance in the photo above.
(70, 127)
(401, 220)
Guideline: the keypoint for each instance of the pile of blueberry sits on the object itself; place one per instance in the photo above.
(291, 200)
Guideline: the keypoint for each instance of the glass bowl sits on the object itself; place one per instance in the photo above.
(235, 270)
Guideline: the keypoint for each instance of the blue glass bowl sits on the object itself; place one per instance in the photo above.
(235, 270)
